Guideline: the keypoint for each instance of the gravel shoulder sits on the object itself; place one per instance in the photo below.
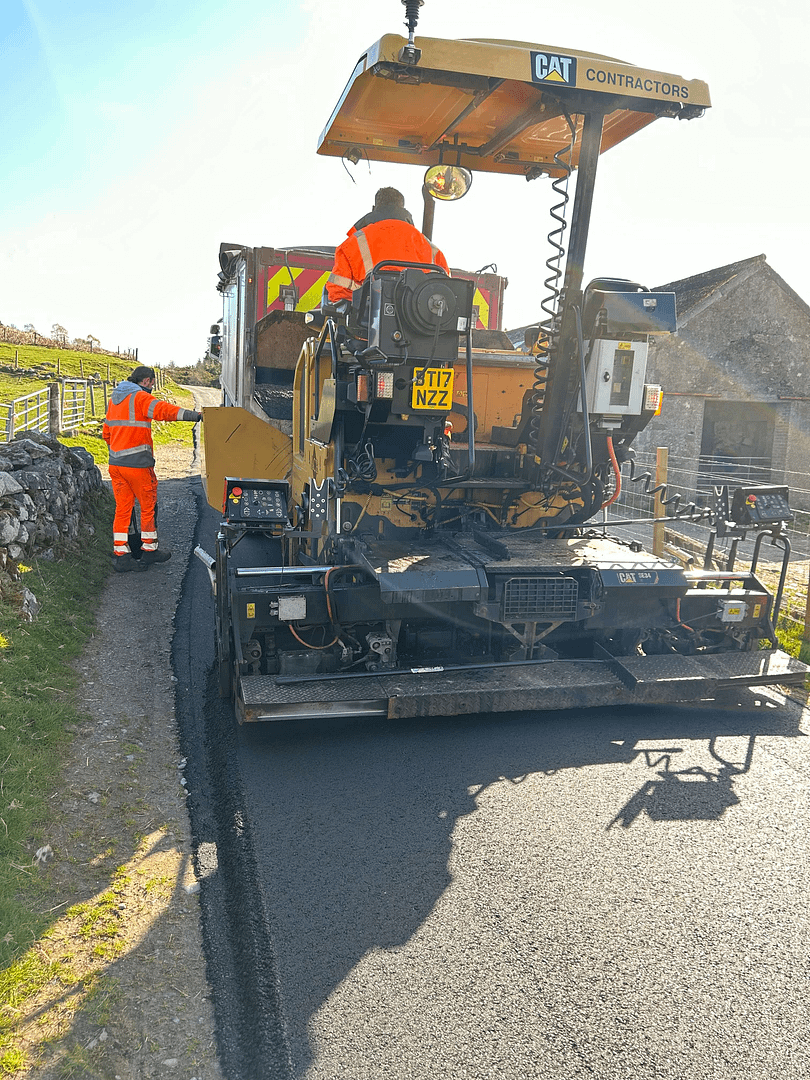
(123, 860)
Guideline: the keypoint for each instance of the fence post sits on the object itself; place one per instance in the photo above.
(108, 371)
(16, 358)
(659, 511)
(10, 423)
(53, 410)
(59, 365)
(81, 367)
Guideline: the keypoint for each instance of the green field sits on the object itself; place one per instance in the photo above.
(37, 366)
(72, 365)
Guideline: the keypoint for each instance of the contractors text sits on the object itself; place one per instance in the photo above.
(632, 82)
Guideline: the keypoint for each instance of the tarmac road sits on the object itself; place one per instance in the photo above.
(608, 894)
(553, 895)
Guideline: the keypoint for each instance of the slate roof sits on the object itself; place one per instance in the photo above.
(693, 290)
(516, 336)
(688, 291)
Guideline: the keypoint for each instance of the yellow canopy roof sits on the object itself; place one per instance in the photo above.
(494, 106)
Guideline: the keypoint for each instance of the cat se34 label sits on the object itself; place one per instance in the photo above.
(432, 389)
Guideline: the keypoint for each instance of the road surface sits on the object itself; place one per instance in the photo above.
(612, 894)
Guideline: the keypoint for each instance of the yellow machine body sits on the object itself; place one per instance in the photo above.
(409, 504)
(497, 103)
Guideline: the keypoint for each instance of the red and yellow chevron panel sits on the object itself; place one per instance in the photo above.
(308, 283)
(283, 287)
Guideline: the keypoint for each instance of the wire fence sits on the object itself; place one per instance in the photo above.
(696, 481)
(59, 407)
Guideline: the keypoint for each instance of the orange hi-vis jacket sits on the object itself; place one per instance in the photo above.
(128, 425)
(364, 248)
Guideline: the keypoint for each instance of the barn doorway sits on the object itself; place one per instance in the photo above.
(737, 441)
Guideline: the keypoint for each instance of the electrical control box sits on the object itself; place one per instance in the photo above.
(755, 506)
(256, 502)
(615, 378)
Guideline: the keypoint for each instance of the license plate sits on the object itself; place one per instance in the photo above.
(436, 392)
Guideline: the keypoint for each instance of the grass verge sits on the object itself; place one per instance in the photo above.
(36, 683)
(790, 635)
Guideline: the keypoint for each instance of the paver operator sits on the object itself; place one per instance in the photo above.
(128, 432)
(388, 232)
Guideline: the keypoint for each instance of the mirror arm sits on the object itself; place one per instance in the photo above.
(428, 214)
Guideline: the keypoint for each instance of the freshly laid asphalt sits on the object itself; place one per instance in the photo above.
(608, 894)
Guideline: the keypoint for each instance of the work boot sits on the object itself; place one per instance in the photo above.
(158, 555)
(124, 563)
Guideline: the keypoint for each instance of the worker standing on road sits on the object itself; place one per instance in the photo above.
(388, 232)
(128, 432)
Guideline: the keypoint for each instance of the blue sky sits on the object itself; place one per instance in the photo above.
(137, 136)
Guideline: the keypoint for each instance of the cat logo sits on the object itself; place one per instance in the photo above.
(553, 68)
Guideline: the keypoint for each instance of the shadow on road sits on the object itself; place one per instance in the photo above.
(322, 843)
(353, 820)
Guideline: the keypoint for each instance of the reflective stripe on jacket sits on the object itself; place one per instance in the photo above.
(362, 250)
(128, 425)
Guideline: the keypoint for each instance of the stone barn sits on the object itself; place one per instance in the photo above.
(736, 379)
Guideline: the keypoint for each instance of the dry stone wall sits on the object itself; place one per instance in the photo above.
(43, 486)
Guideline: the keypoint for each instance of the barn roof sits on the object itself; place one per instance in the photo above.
(691, 291)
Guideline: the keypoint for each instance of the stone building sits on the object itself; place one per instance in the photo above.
(736, 379)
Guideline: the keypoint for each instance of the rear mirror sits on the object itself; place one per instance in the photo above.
(447, 182)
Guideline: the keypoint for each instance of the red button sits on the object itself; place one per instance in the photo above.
(236, 491)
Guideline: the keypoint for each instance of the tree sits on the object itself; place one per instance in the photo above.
(29, 328)
(59, 334)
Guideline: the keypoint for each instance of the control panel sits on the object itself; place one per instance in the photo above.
(256, 502)
(755, 506)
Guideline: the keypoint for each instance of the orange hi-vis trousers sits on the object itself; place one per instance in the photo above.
(129, 485)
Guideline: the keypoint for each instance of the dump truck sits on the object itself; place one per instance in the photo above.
(412, 508)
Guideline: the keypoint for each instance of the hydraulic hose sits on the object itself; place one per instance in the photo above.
(617, 473)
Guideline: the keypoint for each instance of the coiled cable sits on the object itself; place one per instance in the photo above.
(549, 326)
(690, 510)
(362, 466)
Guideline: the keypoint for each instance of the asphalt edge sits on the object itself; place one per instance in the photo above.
(237, 938)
